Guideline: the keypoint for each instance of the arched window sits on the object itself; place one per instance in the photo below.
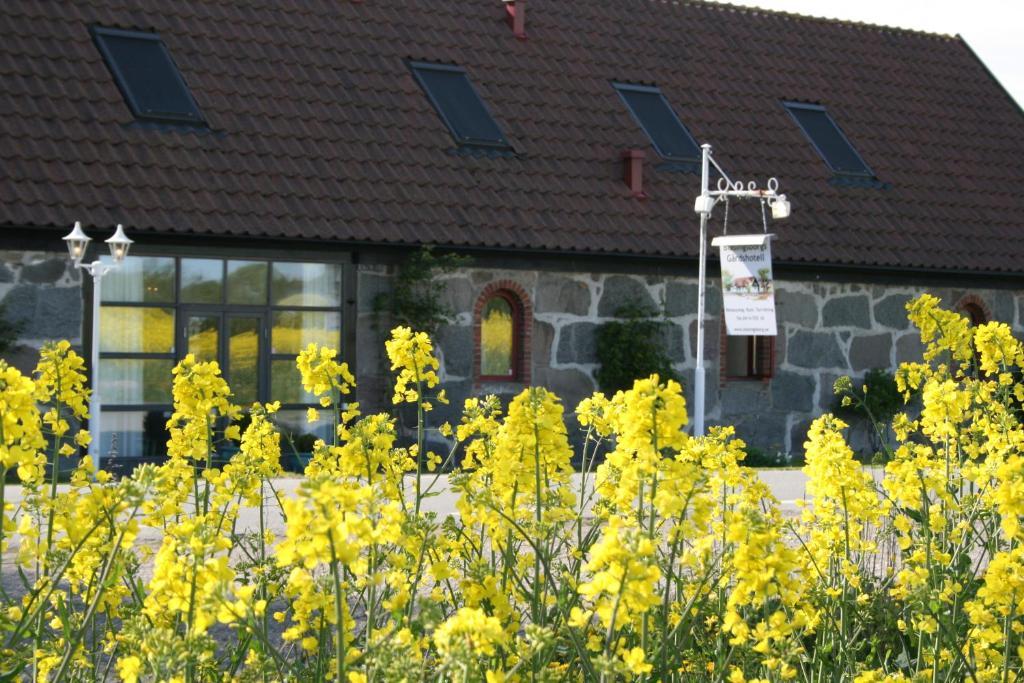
(499, 338)
(502, 337)
(974, 313)
(978, 314)
(975, 309)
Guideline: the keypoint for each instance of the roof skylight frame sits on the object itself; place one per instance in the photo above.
(621, 86)
(790, 105)
(499, 143)
(99, 33)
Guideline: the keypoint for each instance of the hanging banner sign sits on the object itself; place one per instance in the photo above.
(748, 292)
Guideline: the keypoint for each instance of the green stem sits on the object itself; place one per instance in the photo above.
(3, 513)
(419, 440)
(609, 632)
(264, 595)
(104, 576)
(538, 587)
(339, 615)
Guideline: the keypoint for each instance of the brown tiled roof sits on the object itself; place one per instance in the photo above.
(319, 131)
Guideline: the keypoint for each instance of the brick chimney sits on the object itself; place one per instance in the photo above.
(633, 172)
(515, 13)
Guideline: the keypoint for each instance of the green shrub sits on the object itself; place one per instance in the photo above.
(757, 457)
(630, 348)
(415, 299)
(871, 405)
(9, 330)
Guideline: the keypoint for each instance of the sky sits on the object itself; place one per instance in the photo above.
(993, 28)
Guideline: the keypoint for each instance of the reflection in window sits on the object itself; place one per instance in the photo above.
(294, 330)
(140, 434)
(203, 337)
(201, 280)
(243, 358)
(286, 384)
(137, 329)
(497, 338)
(133, 381)
(140, 279)
(247, 283)
(305, 284)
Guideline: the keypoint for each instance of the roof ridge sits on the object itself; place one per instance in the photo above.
(725, 6)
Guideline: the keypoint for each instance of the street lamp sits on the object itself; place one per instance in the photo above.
(119, 244)
(704, 205)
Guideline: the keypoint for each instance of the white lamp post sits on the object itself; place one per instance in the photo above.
(78, 243)
(704, 205)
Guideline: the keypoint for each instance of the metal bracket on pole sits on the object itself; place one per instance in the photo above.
(704, 205)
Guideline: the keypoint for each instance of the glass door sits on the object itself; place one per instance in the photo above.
(245, 335)
(234, 339)
(202, 335)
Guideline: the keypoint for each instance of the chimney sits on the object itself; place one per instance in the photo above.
(633, 172)
(515, 13)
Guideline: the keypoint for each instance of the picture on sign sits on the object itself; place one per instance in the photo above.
(748, 291)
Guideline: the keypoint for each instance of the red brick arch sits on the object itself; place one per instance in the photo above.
(523, 330)
(975, 308)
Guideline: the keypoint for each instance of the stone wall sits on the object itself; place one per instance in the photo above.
(40, 291)
(826, 329)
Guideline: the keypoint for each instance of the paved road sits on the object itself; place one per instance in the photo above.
(787, 485)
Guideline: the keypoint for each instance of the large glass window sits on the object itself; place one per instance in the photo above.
(140, 279)
(305, 284)
(247, 282)
(202, 280)
(295, 330)
(252, 317)
(137, 329)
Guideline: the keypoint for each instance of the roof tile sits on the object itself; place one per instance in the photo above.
(320, 132)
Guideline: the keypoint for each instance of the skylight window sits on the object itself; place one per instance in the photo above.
(150, 82)
(458, 104)
(652, 111)
(826, 137)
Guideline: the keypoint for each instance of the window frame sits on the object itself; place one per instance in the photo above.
(417, 65)
(517, 337)
(790, 106)
(99, 33)
(753, 350)
(621, 87)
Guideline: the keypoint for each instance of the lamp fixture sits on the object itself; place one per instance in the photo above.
(780, 207)
(120, 244)
(77, 242)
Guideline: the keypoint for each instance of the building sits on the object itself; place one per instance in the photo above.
(274, 161)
